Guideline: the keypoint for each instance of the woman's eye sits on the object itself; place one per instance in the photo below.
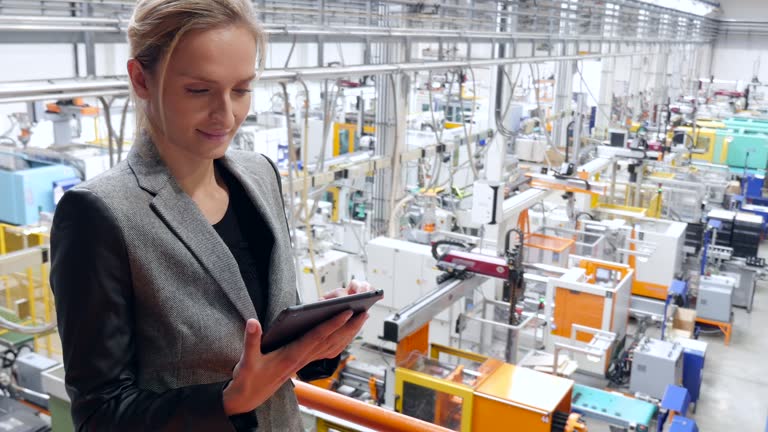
(243, 91)
(197, 91)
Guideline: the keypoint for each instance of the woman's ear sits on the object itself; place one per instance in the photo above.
(139, 79)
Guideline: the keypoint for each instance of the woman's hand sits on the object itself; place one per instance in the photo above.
(354, 287)
(258, 376)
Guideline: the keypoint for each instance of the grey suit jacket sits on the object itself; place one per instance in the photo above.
(159, 262)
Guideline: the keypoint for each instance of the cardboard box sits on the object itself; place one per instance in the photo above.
(684, 320)
(675, 334)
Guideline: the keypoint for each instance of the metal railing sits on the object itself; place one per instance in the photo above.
(558, 19)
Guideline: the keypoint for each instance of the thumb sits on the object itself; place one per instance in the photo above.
(252, 342)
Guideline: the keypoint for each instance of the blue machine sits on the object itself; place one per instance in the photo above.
(676, 399)
(682, 424)
(752, 185)
(694, 355)
(28, 189)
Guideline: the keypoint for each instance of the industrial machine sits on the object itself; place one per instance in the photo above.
(483, 394)
(613, 409)
(655, 365)
(589, 309)
(715, 297)
(653, 247)
(406, 272)
(28, 187)
(330, 270)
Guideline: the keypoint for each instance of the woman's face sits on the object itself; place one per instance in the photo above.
(206, 91)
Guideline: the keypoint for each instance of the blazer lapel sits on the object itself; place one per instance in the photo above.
(261, 190)
(182, 216)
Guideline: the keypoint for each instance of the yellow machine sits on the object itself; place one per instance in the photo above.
(482, 393)
(704, 141)
(344, 139)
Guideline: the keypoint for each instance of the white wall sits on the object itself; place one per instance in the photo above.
(754, 10)
(735, 56)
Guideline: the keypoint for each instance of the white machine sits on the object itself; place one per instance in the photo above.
(655, 365)
(596, 297)
(405, 271)
(715, 297)
(656, 270)
(332, 270)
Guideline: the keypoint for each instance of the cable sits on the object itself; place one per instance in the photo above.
(121, 137)
(436, 245)
(498, 115)
(10, 129)
(108, 121)
(467, 134)
(290, 52)
(395, 154)
(291, 167)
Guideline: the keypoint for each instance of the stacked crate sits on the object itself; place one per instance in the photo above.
(747, 229)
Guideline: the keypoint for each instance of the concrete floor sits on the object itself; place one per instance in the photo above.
(735, 389)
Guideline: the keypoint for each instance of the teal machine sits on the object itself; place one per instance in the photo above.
(747, 123)
(746, 141)
(613, 408)
(28, 187)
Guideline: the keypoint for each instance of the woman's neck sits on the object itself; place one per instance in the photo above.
(194, 175)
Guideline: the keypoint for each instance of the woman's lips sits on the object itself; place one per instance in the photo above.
(218, 136)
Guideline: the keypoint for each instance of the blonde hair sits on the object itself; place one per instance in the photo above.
(157, 26)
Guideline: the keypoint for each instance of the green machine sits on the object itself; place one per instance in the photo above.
(743, 148)
(747, 124)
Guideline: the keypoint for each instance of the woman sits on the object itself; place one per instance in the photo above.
(163, 263)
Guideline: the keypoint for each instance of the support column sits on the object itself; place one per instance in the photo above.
(634, 86)
(605, 100)
(563, 95)
(578, 127)
(90, 44)
(660, 82)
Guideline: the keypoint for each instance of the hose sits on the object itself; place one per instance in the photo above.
(436, 253)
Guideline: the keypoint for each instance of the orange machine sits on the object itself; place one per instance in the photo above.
(532, 401)
(484, 395)
(594, 294)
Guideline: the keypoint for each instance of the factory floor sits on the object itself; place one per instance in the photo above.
(734, 394)
(735, 389)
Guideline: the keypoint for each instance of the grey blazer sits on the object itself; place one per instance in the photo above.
(150, 302)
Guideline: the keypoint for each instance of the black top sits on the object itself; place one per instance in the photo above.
(249, 239)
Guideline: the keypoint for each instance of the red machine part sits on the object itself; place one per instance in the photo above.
(485, 265)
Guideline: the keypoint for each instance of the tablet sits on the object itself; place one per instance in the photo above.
(293, 322)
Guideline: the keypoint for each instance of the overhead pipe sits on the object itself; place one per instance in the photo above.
(54, 19)
(70, 95)
(360, 413)
(62, 28)
(27, 88)
(114, 87)
(25, 23)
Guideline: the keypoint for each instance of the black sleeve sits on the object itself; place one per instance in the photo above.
(318, 369)
(91, 280)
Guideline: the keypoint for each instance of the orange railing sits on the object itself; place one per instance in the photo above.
(360, 413)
